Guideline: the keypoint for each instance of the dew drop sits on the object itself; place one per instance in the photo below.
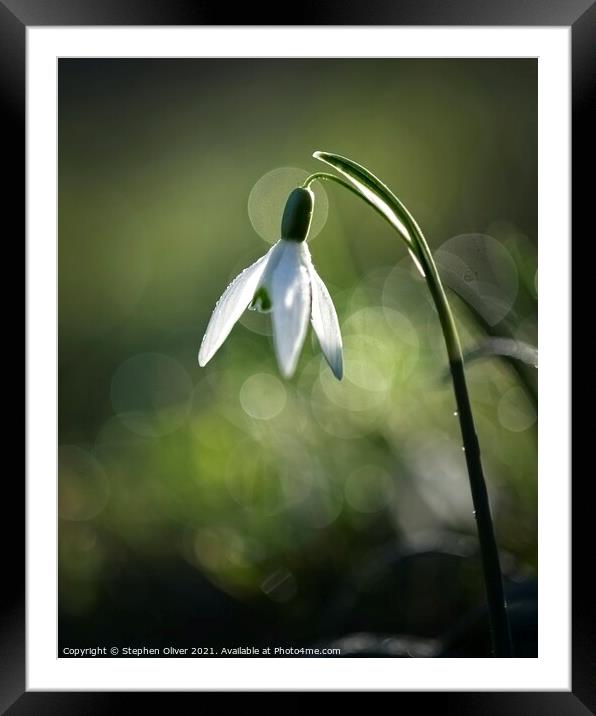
(455, 413)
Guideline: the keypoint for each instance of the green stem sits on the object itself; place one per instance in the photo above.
(497, 608)
(325, 176)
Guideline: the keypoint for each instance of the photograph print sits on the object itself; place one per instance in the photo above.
(298, 363)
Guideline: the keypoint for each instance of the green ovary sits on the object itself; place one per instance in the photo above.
(261, 301)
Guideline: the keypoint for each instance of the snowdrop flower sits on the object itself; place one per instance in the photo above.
(285, 283)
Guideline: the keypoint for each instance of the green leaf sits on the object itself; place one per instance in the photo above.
(380, 197)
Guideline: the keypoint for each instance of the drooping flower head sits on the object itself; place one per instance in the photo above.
(285, 283)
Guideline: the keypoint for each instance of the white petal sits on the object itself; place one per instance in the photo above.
(325, 324)
(231, 306)
(290, 289)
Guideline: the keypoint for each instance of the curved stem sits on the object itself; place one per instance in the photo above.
(326, 176)
(497, 608)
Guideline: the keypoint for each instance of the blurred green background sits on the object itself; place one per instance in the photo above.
(225, 505)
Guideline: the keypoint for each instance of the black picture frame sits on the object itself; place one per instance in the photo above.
(580, 15)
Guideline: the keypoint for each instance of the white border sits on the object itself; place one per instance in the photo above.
(551, 670)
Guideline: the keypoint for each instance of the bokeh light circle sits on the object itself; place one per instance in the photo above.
(268, 197)
(83, 487)
(397, 346)
(324, 503)
(482, 271)
(262, 396)
(352, 415)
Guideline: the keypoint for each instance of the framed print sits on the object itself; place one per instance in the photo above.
(287, 429)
